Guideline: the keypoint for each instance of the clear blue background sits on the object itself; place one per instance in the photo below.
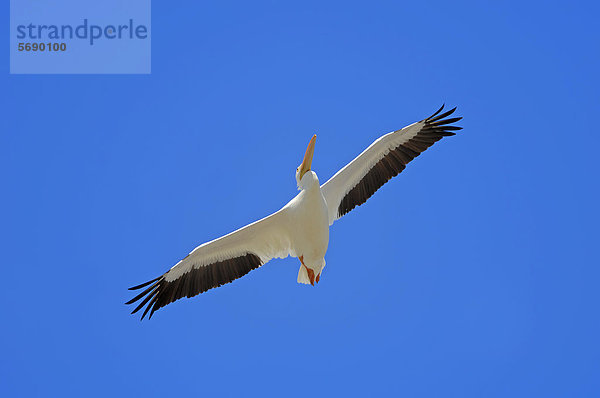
(473, 273)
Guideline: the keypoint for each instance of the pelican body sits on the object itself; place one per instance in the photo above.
(301, 228)
(310, 228)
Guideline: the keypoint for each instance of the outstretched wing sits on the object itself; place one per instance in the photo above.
(218, 262)
(383, 159)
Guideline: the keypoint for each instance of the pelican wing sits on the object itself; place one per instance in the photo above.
(383, 159)
(218, 262)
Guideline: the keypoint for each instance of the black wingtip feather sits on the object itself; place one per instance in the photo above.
(438, 111)
(434, 118)
(144, 284)
(152, 305)
(139, 296)
(150, 295)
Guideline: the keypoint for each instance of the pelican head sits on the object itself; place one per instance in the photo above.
(306, 162)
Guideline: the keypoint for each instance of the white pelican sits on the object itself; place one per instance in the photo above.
(301, 228)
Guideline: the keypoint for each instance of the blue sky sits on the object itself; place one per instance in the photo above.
(473, 273)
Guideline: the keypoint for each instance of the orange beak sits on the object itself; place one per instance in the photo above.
(308, 156)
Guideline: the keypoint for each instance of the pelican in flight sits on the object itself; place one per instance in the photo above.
(301, 228)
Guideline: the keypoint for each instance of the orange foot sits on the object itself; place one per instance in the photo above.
(318, 277)
(311, 273)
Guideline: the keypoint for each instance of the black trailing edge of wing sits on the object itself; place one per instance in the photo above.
(197, 280)
(437, 126)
